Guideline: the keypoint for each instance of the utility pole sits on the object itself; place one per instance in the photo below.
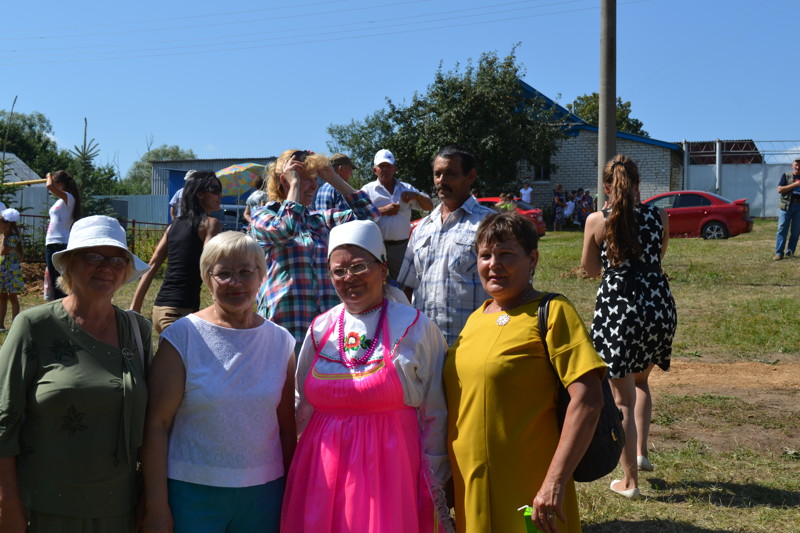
(607, 128)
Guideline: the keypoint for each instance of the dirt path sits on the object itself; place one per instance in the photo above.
(767, 390)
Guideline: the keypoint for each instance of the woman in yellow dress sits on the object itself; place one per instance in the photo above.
(504, 442)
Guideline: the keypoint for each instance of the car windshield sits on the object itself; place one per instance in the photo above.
(718, 197)
(525, 206)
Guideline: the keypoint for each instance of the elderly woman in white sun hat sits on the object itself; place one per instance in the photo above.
(371, 407)
(73, 396)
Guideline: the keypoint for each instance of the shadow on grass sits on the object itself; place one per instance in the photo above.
(723, 494)
(648, 526)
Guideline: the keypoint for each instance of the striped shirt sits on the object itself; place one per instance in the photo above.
(296, 286)
(441, 265)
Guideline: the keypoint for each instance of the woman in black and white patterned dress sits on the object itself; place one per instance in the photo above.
(634, 318)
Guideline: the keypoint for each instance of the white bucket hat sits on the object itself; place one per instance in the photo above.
(362, 233)
(99, 230)
(10, 214)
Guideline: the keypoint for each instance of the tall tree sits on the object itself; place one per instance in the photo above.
(93, 180)
(360, 140)
(482, 107)
(139, 177)
(31, 138)
(588, 108)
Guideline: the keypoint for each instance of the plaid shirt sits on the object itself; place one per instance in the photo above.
(442, 267)
(296, 286)
(329, 198)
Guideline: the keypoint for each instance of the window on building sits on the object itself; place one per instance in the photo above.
(540, 171)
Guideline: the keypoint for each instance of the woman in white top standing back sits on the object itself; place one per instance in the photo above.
(63, 214)
(220, 427)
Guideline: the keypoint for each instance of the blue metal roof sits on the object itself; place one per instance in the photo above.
(632, 137)
(576, 123)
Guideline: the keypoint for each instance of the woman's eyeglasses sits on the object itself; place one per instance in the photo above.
(117, 262)
(227, 276)
(354, 269)
(213, 189)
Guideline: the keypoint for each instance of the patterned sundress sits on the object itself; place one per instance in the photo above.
(10, 271)
(634, 318)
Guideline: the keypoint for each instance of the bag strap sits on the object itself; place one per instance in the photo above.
(563, 395)
(138, 334)
(544, 311)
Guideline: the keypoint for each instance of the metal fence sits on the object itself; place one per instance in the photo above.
(142, 237)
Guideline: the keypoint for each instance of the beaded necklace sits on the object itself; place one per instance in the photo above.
(351, 362)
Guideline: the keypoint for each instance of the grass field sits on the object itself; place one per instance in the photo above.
(726, 419)
(715, 471)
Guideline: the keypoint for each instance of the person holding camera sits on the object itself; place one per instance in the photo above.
(294, 237)
(789, 214)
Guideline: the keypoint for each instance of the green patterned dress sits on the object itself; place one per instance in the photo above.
(10, 271)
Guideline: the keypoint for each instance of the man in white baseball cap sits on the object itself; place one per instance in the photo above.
(394, 199)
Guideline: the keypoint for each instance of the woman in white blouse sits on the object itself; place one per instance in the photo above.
(220, 429)
(370, 405)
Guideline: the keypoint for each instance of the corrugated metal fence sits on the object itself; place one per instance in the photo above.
(142, 236)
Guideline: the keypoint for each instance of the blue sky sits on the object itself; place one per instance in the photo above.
(244, 78)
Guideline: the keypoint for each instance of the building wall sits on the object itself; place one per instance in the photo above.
(576, 162)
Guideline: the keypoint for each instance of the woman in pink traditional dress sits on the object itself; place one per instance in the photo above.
(372, 456)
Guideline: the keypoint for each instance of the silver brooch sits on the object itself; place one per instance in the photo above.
(503, 319)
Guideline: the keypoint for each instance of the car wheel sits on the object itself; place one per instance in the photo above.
(715, 230)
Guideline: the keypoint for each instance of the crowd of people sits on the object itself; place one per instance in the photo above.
(347, 372)
(571, 207)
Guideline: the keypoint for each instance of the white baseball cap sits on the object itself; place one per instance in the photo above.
(383, 156)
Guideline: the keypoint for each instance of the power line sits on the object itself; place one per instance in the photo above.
(329, 36)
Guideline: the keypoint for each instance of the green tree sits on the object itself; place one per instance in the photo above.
(360, 140)
(92, 180)
(588, 108)
(139, 177)
(482, 107)
(31, 138)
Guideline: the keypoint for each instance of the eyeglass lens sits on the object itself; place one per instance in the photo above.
(117, 262)
(226, 276)
(354, 269)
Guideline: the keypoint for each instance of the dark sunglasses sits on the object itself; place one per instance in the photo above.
(213, 189)
(300, 155)
(117, 262)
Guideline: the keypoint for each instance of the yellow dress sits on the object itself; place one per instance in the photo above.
(501, 401)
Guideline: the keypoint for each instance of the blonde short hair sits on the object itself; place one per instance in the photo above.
(64, 282)
(313, 163)
(230, 244)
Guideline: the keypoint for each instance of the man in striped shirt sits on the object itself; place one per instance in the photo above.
(440, 271)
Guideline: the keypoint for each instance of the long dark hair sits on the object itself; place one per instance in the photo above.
(70, 186)
(198, 181)
(621, 177)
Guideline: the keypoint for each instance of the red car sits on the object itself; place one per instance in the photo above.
(704, 214)
(523, 208)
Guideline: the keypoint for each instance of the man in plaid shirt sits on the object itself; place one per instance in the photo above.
(440, 270)
(329, 198)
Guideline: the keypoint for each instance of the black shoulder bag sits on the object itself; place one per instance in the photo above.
(603, 453)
